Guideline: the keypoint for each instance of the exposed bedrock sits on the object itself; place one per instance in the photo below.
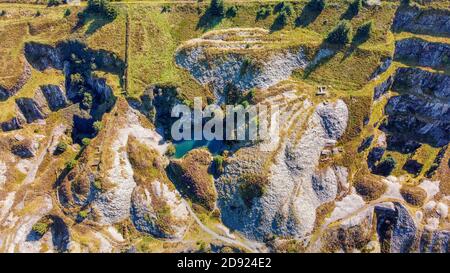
(239, 70)
(423, 53)
(396, 229)
(286, 206)
(31, 109)
(383, 88)
(423, 21)
(42, 56)
(55, 96)
(422, 110)
(14, 123)
(435, 241)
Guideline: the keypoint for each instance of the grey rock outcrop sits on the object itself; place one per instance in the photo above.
(383, 67)
(14, 123)
(383, 88)
(55, 96)
(423, 53)
(435, 241)
(42, 56)
(396, 228)
(30, 109)
(25, 149)
(423, 21)
(234, 69)
(422, 111)
(282, 210)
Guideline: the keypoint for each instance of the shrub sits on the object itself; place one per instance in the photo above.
(288, 9)
(217, 8)
(86, 141)
(61, 147)
(281, 21)
(364, 31)
(103, 7)
(246, 64)
(262, 13)
(252, 186)
(354, 8)
(71, 164)
(67, 12)
(38, 13)
(413, 195)
(83, 214)
(317, 5)
(3, 13)
(370, 187)
(386, 166)
(170, 150)
(341, 34)
(231, 12)
(98, 126)
(87, 100)
(218, 164)
(40, 227)
(52, 3)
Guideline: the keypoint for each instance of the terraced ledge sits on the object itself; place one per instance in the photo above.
(422, 21)
(420, 52)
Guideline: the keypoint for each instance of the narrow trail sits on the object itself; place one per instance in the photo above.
(246, 245)
(127, 45)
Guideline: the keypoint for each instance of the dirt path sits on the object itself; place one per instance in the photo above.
(249, 246)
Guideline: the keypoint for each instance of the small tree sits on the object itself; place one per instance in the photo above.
(71, 164)
(61, 147)
(170, 150)
(231, 12)
(86, 141)
(262, 13)
(38, 13)
(218, 164)
(3, 13)
(217, 8)
(354, 7)
(67, 12)
(52, 3)
(281, 21)
(87, 100)
(364, 31)
(317, 5)
(98, 126)
(341, 34)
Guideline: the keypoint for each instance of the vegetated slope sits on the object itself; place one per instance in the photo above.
(361, 165)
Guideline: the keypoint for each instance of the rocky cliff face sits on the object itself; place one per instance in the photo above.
(233, 63)
(423, 53)
(422, 110)
(413, 19)
(294, 191)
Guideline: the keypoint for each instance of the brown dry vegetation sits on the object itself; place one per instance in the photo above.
(413, 195)
(191, 175)
(370, 187)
